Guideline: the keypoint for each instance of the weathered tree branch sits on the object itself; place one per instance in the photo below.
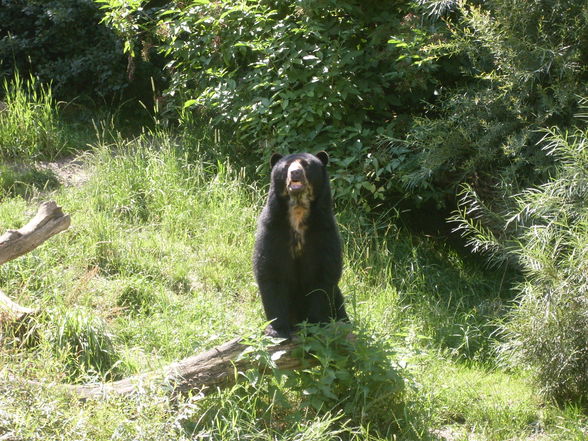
(48, 221)
(16, 321)
(13, 312)
(216, 367)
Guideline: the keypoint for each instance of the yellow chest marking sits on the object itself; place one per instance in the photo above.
(298, 215)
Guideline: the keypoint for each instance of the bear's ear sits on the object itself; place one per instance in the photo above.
(323, 156)
(274, 159)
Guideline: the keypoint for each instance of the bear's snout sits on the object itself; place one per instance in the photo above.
(297, 174)
(296, 181)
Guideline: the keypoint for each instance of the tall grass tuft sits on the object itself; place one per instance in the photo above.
(29, 125)
(84, 344)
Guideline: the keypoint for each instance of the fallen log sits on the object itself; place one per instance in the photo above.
(48, 221)
(10, 311)
(216, 368)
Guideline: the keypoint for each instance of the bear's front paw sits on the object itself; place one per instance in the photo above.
(273, 332)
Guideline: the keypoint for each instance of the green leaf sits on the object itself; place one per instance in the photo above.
(397, 43)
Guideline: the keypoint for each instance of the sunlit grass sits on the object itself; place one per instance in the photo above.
(29, 124)
(156, 266)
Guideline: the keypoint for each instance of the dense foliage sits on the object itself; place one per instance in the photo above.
(412, 100)
(524, 66)
(306, 75)
(62, 42)
(548, 330)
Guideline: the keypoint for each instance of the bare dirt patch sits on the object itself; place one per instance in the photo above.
(71, 171)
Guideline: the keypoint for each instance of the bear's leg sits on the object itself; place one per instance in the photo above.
(276, 301)
(340, 312)
(325, 304)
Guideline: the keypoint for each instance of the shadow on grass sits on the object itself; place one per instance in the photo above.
(458, 300)
(25, 181)
(454, 299)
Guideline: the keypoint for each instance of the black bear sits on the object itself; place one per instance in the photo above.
(297, 259)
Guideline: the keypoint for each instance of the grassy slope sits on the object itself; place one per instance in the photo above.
(156, 267)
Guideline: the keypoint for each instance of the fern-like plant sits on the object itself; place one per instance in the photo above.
(548, 327)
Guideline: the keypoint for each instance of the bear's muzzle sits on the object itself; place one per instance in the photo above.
(296, 181)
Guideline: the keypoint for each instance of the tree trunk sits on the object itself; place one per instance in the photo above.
(217, 367)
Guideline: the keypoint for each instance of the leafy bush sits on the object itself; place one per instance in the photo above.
(523, 66)
(62, 42)
(548, 327)
(356, 384)
(306, 75)
(357, 375)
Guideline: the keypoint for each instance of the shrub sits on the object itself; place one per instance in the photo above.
(62, 42)
(305, 75)
(523, 65)
(356, 384)
(357, 375)
(548, 327)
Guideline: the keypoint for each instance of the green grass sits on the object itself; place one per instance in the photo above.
(29, 126)
(156, 266)
(475, 402)
(35, 127)
(25, 181)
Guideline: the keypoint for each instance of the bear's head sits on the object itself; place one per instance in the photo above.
(300, 176)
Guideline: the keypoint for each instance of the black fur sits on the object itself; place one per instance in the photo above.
(298, 274)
